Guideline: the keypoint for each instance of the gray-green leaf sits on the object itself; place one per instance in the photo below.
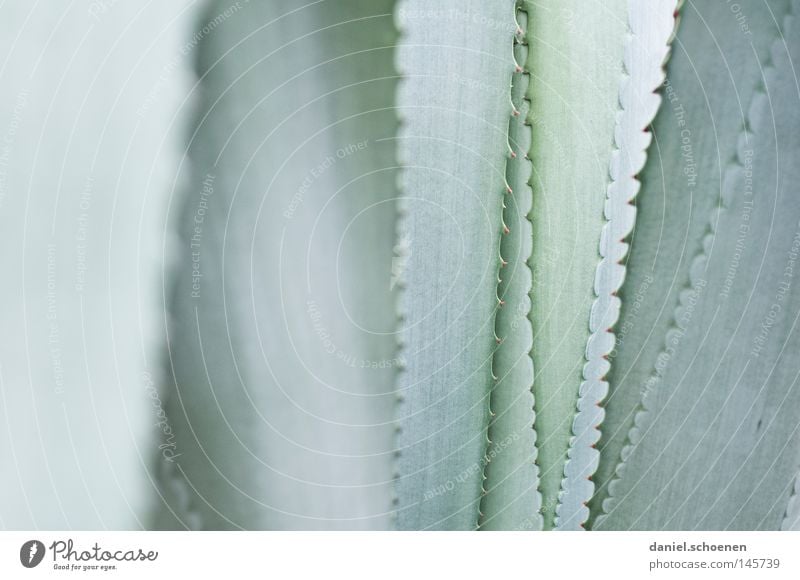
(715, 442)
(455, 106)
(282, 311)
(575, 59)
(651, 26)
(512, 499)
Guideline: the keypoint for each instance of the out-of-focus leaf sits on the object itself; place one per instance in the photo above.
(512, 499)
(88, 135)
(575, 58)
(714, 444)
(651, 26)
(455, 104)
(283, 311)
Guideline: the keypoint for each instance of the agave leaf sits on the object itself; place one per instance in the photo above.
(705, 101)
(512, 500)
(715, 442)
(455, 104)
(576, 61)
(791, 520)
(281, 343)
(87, 102)
(651, 26)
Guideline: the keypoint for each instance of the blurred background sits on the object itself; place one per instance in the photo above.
(93, 110)
(189, 335)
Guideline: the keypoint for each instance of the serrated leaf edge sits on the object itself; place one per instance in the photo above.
(692, 289)
(791, 518)
(520, 74)
(636, 110)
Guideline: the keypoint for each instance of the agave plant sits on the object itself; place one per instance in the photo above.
(404, 296)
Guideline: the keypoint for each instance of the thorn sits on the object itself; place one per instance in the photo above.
(502, 303)
(518, 69)
(498, 340)
(506, 230)
(513, 155)
(508, 189)
(515, 113)
(503, 263)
